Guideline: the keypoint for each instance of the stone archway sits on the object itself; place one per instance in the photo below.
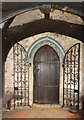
(60, 51)
(27, 44)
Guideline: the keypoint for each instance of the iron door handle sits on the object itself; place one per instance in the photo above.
(38, 69)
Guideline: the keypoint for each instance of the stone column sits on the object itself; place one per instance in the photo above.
(31, 85)
(61, 85)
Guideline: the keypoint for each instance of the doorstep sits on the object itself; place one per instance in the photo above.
(47, 105)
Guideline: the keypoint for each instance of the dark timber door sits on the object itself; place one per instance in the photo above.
(46, 76)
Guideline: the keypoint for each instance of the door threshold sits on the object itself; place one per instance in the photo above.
(47, 105)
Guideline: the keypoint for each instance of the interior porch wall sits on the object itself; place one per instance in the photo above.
(65, 41)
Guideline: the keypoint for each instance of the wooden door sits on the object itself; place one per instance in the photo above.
(46, 76)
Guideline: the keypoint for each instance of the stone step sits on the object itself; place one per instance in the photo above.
(47, 105)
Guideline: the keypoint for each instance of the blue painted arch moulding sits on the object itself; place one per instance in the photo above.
(42, 41)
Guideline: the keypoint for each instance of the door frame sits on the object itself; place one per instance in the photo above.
(31, 75)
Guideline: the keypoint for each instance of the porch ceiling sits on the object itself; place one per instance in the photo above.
(17, 33)
(16, 6)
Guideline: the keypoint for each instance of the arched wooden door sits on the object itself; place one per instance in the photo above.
(46, 76)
